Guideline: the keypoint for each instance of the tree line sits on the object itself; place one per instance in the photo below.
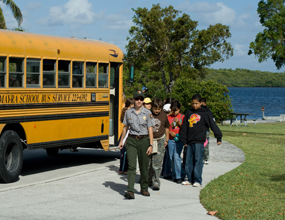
(246, 78)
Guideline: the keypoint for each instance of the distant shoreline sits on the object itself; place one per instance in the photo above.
(246, 78)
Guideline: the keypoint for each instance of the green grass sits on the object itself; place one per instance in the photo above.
(255, 189)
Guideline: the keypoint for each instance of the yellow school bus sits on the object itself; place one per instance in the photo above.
(56, 93)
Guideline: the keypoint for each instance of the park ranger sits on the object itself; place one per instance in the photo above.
(140, 122)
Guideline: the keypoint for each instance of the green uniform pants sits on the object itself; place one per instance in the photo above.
(137, 148)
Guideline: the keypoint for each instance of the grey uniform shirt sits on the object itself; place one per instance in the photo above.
(138, 123)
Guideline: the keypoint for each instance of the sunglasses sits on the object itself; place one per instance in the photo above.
(137, 99)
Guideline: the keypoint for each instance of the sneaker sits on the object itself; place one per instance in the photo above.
(186, 183)
(155, 187)
(196, 184)
(206, 162)
(129, 195)
(179, 181)
(145, 193)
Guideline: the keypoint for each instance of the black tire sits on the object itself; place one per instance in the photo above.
(52, 151)
(11, 156)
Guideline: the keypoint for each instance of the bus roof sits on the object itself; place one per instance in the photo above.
(23, 44)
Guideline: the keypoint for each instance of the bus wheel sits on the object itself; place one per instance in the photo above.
(11, 156)
(52, 151)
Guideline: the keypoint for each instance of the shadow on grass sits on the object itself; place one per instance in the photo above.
(277, 178)
(276, 182)
(249, 132)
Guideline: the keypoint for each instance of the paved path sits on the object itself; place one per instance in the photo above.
(98, 194)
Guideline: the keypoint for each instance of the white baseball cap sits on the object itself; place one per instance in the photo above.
(166, 108)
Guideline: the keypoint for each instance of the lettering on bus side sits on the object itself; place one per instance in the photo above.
(42, 98)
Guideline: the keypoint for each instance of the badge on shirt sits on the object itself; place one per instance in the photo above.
(144, 117)
(129, 119)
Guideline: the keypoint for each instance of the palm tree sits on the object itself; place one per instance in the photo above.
(15, 10)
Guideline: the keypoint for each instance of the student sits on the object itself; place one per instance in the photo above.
(193, 135)
(147, 103)
(206, 148)
(139, 143)
(160, 140)
(166, 167)
(175, 145)
(123, 159)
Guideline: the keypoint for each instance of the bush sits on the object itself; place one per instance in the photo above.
(218, 99)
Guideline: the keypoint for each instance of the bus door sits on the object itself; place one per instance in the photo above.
(114, 104)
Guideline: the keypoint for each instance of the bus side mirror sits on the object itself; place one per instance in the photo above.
(132, 69)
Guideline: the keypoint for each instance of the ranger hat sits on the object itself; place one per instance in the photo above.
(138, 94)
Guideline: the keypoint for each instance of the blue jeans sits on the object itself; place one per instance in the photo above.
(194, 162)
(166, 166)
(174, 150)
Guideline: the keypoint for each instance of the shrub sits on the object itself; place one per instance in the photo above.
(216, 94)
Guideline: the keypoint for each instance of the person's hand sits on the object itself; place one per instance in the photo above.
(176, 119)
(121, 145)
(219, 143)
(149, 151)
(172, 133)
(165, 143)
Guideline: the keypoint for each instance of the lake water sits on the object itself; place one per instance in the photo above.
(251, 99)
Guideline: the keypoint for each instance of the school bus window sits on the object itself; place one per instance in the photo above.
(2, 71)
(16, 72)
(2, 64)
(77, 74)
(112, 77)
(49, 67)
(63, 73)
(91, 74)
(103, 75)
(33, 72)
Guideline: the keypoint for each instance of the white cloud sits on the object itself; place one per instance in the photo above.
(242, 20)
(33, 6)
(208, 13)
(258, 25)
(73, 12)
(211, 13)
(224, 15)
(118, 22)
(198, 7)
(240, 50)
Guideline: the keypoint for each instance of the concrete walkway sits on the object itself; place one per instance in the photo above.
(99, 194)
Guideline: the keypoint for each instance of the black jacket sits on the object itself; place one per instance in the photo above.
(203, 106)
(195, 125)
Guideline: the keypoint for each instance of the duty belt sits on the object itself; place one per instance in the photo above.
(138, 137)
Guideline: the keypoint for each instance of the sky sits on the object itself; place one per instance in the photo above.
(111, 20)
